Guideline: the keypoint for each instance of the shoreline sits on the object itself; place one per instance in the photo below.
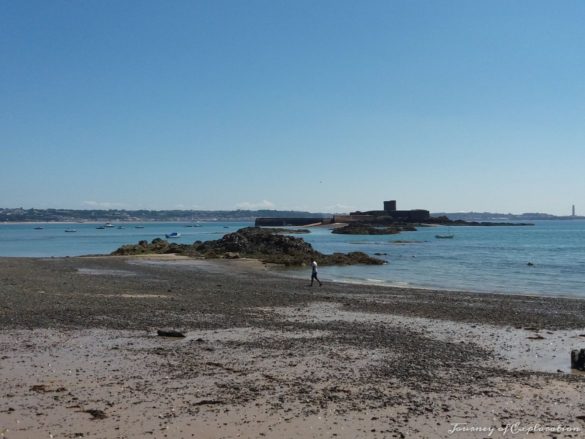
(405, 285)
(430, 271)
(281, 271)
(266, 355)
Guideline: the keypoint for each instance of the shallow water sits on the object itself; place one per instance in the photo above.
(484, 259)
(52, 240)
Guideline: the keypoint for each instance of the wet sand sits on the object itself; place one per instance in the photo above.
(268, 356)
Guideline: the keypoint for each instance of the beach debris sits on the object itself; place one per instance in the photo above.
(578, 359)
(42, 388)
(169, 333)
(536, 337)
(96, 414)
(208, 402)
(39, 388)
(221, 366)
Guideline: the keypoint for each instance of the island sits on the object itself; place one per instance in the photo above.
(266, 245)
(388, 221)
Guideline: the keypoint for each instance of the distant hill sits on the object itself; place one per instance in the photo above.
(77, 215)
(73, 215)
(491, 216)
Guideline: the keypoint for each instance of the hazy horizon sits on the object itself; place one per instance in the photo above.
(292, 210)
(328, 106)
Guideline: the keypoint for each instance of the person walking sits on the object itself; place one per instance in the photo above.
(314, 273)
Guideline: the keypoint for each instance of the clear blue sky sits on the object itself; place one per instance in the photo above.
(313, 105)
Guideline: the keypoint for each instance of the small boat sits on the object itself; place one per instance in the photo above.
(108, 225)
(139, 227)
(38, 228)
(173, 235)
(70, 230)
(100, 228)
(450, 236)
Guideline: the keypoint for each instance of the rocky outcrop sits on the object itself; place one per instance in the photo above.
(267, 245)
(445, 221)
(365, 229)
(157, 246)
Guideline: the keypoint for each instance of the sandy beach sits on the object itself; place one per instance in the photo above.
(267, 356)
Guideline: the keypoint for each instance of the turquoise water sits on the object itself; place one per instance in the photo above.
(52, 240)
(485, 259)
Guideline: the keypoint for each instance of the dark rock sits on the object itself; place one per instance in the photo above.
(169, 333)
(286, 231)
(364, 229)
(257, 243)
(443, 220)
(39, 388)
(209, 402)
(96, 414)
(578, 359)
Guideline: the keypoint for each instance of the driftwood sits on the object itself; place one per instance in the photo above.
(169, 333)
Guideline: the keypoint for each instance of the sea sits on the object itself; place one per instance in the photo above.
(547, 258)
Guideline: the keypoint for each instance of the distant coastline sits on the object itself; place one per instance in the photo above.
(20, 215)
(492, 216)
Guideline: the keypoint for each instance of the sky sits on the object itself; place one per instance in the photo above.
(318, 105)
